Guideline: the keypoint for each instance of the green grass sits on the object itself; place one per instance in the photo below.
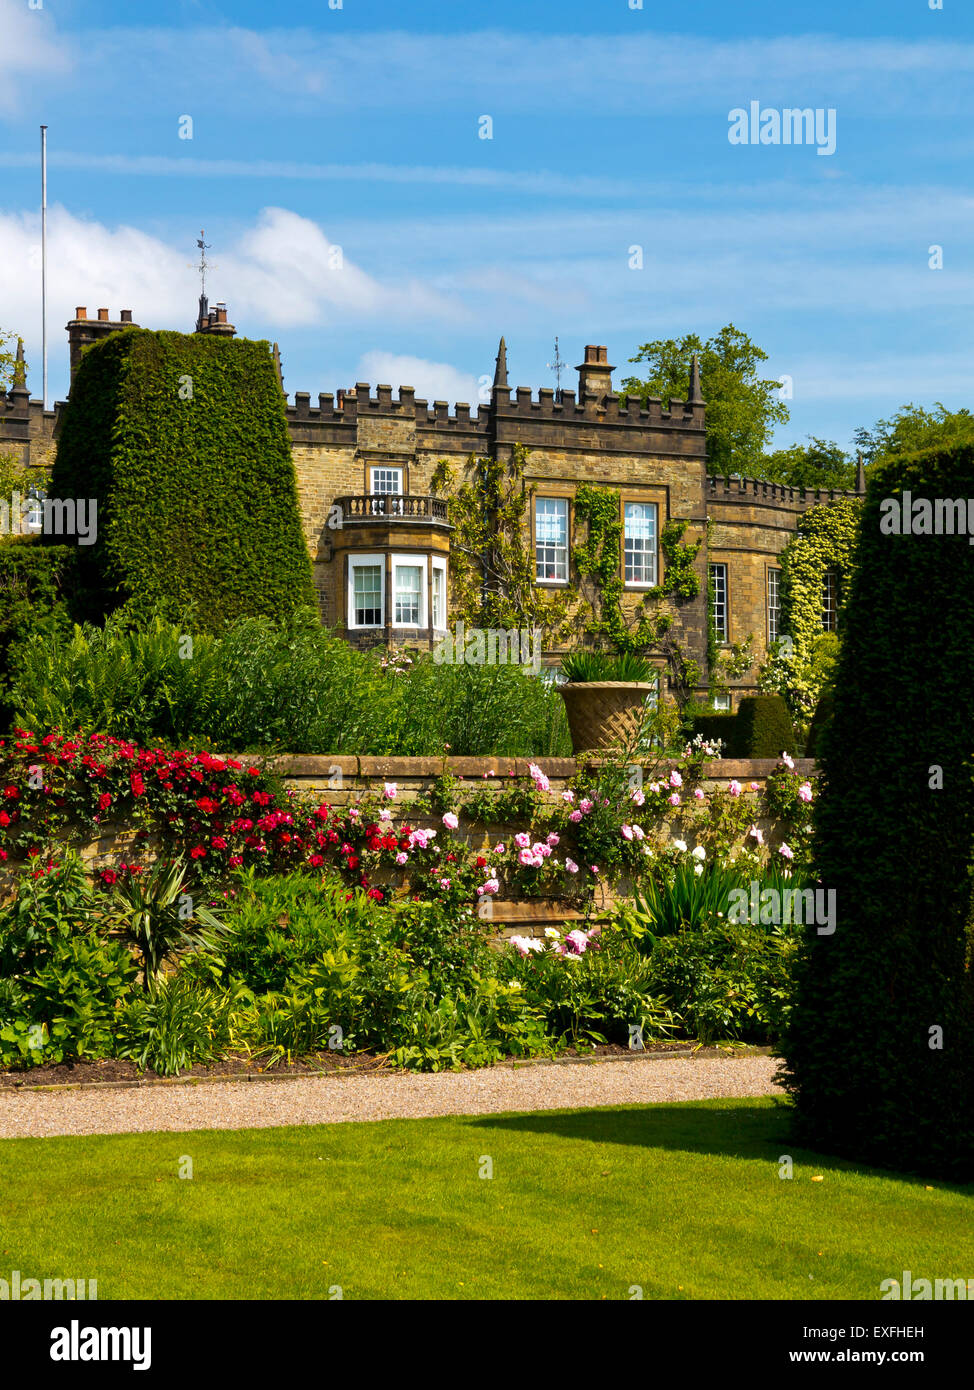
(682, 1200)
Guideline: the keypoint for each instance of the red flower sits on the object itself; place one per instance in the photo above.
(108, 876)
(353, 861)
(104, 801)
(253, 772)
(4, 818)
(207, 806)
(198, 853)
(316, 861)
(481, 862)
(218, 842)
(138, 786)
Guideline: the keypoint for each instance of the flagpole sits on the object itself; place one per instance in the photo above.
(44, 256)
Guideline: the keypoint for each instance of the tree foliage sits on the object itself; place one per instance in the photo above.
(820, 463)
(742, 407)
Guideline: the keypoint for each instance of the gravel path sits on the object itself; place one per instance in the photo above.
(331, 1099)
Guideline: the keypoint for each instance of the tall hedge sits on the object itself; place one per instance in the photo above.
(880, 1049)
(182, 439)
(36, 583)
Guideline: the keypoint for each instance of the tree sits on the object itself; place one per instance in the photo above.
(818, 464)
(7, 358)
(912, 428)
(742, 408)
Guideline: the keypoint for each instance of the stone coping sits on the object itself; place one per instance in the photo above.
(320, 765)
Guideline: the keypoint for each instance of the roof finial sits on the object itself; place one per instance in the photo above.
(500, 368)
(695, 397)
(20, 369)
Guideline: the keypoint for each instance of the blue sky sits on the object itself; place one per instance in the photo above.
(358, 128)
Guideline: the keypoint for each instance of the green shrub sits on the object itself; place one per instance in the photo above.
(182, 441)
(818, 728)
(726, 980)
(77, 991)
(35, 585)
(182, 1023)
(764, 728)
(294, 687)
(870, 1073)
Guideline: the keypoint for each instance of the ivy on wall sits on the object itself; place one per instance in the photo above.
(182, 440)
(826, 541)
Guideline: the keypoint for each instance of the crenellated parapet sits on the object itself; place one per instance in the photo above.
(749, 491)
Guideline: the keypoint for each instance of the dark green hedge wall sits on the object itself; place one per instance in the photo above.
(197, 502)
(897, 851)
(764, 727)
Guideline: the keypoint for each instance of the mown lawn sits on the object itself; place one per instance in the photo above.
(684, 1201)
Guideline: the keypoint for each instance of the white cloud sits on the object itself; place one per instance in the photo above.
(279, 273)
(29, 48)
(433, 381)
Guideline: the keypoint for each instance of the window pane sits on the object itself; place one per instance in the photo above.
(774, 604)
(718, 579)
(387, 480)
(830, 601)
(640, 543)
(367, 581)
(551, 537)
(439, 597)
(407, 594)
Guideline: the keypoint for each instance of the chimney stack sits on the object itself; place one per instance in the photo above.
(595, 373)
(83, 331)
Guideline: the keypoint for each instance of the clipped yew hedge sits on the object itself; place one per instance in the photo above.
(182, 439)
(880, 1048)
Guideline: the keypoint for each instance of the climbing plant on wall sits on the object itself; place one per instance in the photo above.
(825, 542)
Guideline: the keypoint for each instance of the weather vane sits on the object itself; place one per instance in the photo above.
(204, 264)
(557, 366)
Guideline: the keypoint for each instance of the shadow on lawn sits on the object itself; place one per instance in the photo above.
(732, 1131)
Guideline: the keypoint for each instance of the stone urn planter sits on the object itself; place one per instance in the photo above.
(603, 715)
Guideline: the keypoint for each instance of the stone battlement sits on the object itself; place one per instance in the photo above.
(751, 490)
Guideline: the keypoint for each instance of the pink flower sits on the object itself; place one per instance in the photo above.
(639, 833)
(788, 761)
(525, 858)
(638, 796)
(522, 840)
(500, 849)
(492, 886)
(735, 788)
(675, 779)
(389, 790)
(627, 832)
(756, 834)
(450, 821)
(593, 868)
(385, 815)
(755, 786)
(568, 796)
(674, 800)
(553, 839)
(698, 794)
(540, 780)
(444, 883)
(805, 791)
(579, 941)
(571, 866)
(785, 851)
(585, 806)
(575, 816)
(402, 857)
(540, 851)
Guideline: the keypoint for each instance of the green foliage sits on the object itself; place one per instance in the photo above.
(35, 587)
(492, 564)
(818, 465)
(182, 440)
(764, 728)
(726, 980)
(154, 914)
(295, 687)
(742, 408)
(893, 839)
(601, 666)
(912, 428)
(710, 725)
(76, 992)
(821, 719)
(181, 1023)
(7, 358)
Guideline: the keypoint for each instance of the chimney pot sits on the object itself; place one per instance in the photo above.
(126, 315)
(103, 315)
(591, 353)
(81, 313)
(221, 314)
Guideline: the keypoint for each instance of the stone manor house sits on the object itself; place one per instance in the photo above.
(383, 574)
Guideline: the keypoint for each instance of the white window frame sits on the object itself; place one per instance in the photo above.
(375, 491)
(654, 553)
(720, 603)
(773, 582)
(365, 562)
(722, 703)
(439, 567)
(538, 544)
(413, 562)
(830, 601)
